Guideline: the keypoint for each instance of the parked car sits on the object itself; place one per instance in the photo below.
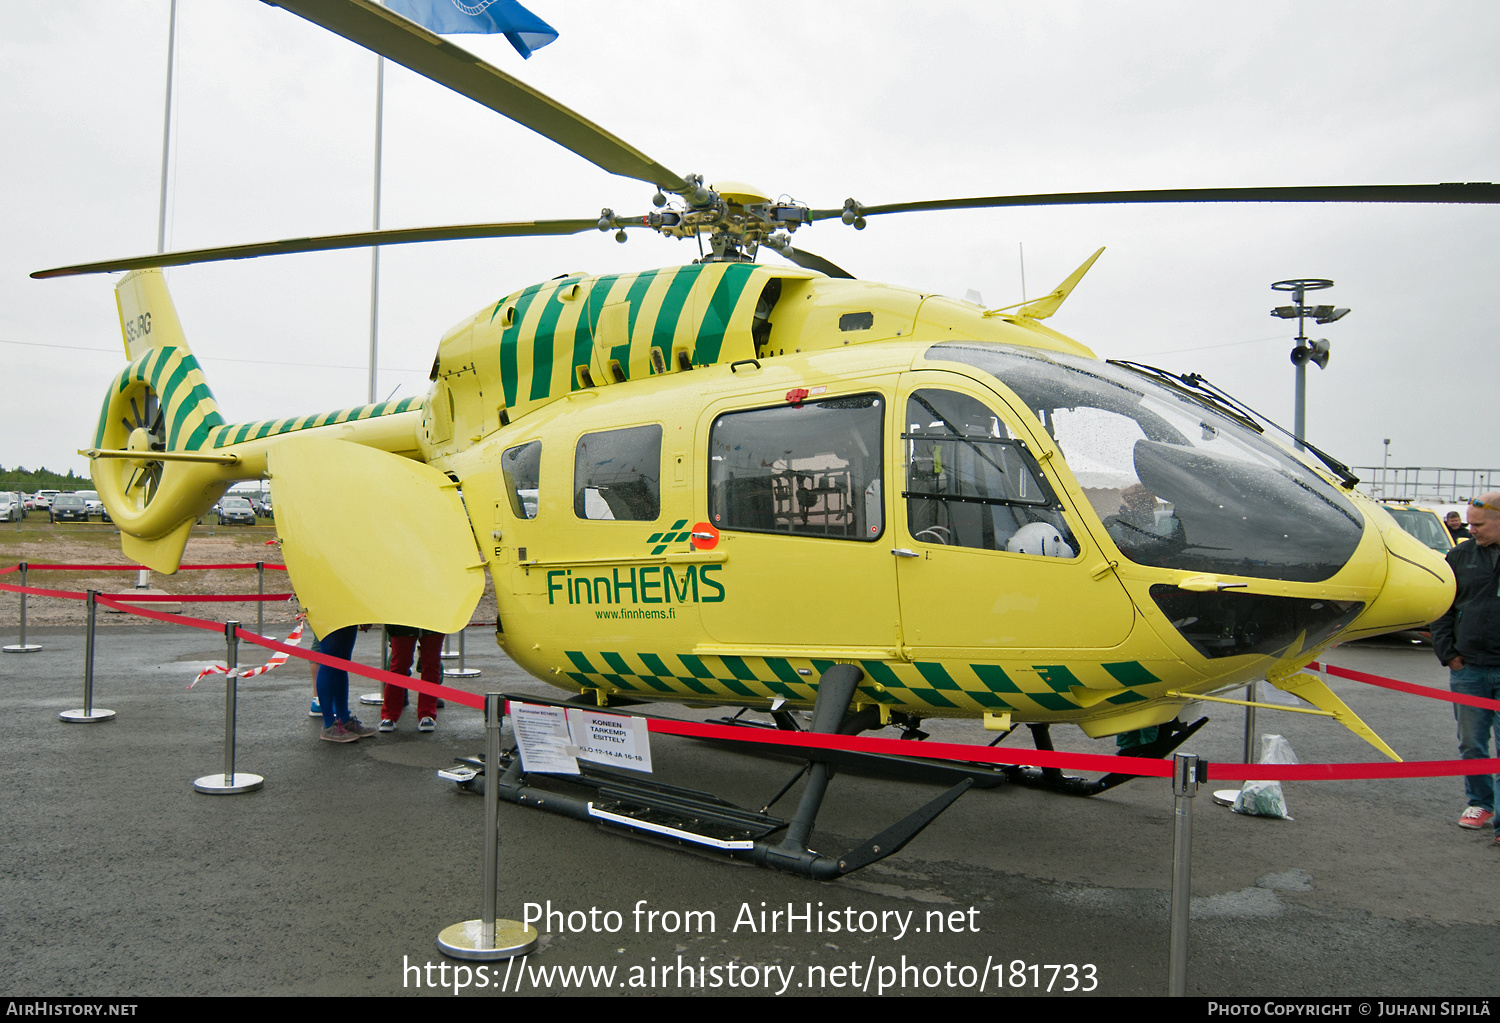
(12, 507)
(44, 498)
(95, 506)
(69, 508)
(1423, 523)
(236, 510)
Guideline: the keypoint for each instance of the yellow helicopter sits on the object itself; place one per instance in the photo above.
(774, 487)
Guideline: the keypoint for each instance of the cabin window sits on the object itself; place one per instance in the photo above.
(806, 470)
(970, 483)
(522, 466)
(617, 475)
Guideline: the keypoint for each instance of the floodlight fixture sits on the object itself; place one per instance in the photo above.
(1305, 350)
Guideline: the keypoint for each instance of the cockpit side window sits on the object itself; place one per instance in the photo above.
(806, 470)
(617, 475)
(971, 483)
(522, 468)
(1178, 484)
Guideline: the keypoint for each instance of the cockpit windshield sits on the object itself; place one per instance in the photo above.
(1177, 484)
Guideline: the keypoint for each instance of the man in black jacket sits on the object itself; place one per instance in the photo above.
(1456, 528)
(1467, 641)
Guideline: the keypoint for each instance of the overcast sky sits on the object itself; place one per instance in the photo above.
(273, 137)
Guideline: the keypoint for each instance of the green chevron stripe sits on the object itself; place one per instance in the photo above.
(784, 670)
(541, 345)
(671, 308)
(1057, 676)
(716, 317)
(694, 666)
(937, 675)
(995, 678)
(509, 371)
(1131, 673)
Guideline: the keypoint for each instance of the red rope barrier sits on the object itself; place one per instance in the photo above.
(1346, 772)
(169, 598)
(1092, 762)
(1409, 687)
(163, 616)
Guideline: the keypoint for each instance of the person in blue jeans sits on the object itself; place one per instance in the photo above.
(333, 688)
(1467, 640)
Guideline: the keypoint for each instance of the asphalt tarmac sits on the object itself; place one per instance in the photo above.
(335, 878)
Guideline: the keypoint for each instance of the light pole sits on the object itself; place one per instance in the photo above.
(1305, 351)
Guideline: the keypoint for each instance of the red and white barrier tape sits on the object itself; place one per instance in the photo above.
(276, 661)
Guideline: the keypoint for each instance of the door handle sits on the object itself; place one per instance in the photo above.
(902, 552)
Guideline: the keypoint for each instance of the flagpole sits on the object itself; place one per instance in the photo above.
(143, 577)
(166, 132)
(375, 225)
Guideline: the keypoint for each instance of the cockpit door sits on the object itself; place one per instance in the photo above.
(992, 557)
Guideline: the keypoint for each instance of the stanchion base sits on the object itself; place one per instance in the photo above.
(21, 648)
(215, 785)
(1226, 797)
(86, 717)
(460, 672)
(512, 938)
(372, 699)
(449, 655)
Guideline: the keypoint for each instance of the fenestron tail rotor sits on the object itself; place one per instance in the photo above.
(146, 432)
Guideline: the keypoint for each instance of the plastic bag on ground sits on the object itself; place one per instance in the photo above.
(1265, 798)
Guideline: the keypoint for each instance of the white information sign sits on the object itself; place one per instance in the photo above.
(542, 736)
(553, 739)
(618, 740)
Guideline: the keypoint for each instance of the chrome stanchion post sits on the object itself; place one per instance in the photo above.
(23, 647)
(461, 671)
(229, 783)
(377, 698)
(1184, 788)
(88, 714)
(1251, 692)
(447, 654)
(489, 937)
(260, 606)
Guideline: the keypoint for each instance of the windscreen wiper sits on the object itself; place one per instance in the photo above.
(1196, 387)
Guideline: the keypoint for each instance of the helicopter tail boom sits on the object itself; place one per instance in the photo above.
(162, 454)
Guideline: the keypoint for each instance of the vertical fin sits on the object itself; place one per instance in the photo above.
(148, 319)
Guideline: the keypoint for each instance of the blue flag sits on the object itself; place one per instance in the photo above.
(525, 30)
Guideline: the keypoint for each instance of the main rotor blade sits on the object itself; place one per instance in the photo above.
(810, 261)
(359, 239)
(410, 45)
(1453, 192)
